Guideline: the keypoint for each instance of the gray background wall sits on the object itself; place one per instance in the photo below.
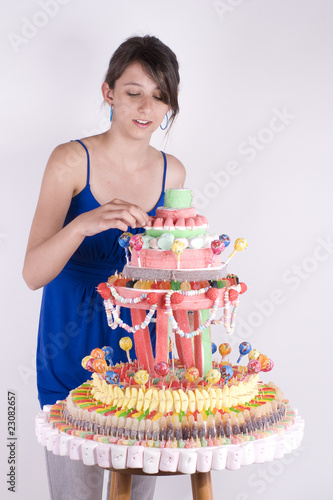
(255, 136)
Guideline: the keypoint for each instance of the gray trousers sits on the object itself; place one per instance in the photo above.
(72, 480)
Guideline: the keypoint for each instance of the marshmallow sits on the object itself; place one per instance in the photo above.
(151, 460)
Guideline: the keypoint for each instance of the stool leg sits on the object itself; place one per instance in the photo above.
(120, 486)
(112, 485)
(202, 486)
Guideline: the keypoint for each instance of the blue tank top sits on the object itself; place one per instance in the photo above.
(72, 317)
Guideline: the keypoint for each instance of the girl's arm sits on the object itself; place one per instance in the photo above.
(51, 245)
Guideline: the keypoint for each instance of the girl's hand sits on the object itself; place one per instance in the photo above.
(115, 214)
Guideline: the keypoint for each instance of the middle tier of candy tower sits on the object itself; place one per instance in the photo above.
(186, 314)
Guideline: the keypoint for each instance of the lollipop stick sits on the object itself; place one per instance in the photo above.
(139, 259)
(211, 261)
(128, 357)
(230, 256)
(127, 256)
(178, 262)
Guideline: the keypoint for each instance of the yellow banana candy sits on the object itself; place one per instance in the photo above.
(212, 398)
(140, 400)
(176, 401)
(199, 400)
(169, 400)
(184, 400)
(154, 401)
(133, 398)
(161, 397)
(191, 400)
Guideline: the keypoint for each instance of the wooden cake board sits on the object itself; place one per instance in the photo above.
(121, 483)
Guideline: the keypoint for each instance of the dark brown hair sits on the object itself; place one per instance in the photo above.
(158, 61)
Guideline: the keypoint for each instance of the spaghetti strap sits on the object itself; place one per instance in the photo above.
(164, 173)
(88, 160)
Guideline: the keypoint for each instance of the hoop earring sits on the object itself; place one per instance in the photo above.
(167, 121)
(111, 112)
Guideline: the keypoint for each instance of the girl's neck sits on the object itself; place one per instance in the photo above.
(125, 151)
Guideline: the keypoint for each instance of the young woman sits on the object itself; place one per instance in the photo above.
(92, 191)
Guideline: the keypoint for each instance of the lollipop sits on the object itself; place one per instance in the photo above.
(141, 377)
(99, 365)
(214, 348)
(126, 344)
(267, 365)
(85, 361)
(226, 373)
(112, 378)
(265, 362)
(124, 242)
(191, 375)
(253, 354)
(253, 366)
(240, 244)
(244, 348)
(90, 364)
(162, 369)
(225, 239)
(97, 353)
(224, 350)
(178, 248)
(217, 247)
(108, 354)
(213, 377)
(136, 242)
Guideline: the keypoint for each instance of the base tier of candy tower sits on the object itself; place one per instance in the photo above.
(184, 407)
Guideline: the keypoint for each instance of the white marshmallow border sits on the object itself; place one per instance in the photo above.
(153, 460)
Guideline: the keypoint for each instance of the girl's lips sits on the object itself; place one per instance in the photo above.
(142, 123)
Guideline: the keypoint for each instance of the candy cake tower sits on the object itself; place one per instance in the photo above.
(182, 396)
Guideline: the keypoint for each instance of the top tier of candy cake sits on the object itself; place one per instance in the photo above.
(176, 244)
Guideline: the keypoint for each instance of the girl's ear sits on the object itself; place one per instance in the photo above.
(107, 93)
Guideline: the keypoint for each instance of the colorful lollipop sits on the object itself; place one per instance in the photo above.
(213, 377)
(191, 375)
(267, 366)
(244, 348)
(141, 377)
(126, 344)
(136, 242)
(224, 350)
(97, 353)
(239, 245)
(112, 378)
(162, 369)
(178, 248)
(253, 366)
(225, 239)
(265, 363)
(217, 247)
(253, 354)
(108, 354)
(85, 361)
(99, 365)
(226, 373)
(124, 242)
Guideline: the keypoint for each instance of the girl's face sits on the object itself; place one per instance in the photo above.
(137, 106)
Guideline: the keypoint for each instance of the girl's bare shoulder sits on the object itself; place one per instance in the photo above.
(176, 172)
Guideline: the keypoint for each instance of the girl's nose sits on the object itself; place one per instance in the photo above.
(145, 104)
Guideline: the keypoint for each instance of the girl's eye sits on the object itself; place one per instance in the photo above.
(158, 98)
(132, 94)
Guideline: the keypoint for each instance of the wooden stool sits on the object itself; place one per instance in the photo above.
(121, 482)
